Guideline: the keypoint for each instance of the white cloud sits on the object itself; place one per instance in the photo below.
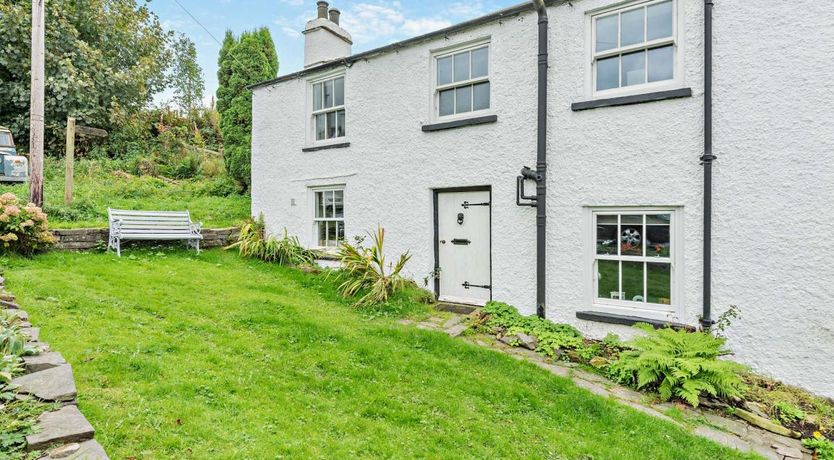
(424, 25)
(368, 22)
(293, 2)
(291, 27)
(290, 32)
(467, 10)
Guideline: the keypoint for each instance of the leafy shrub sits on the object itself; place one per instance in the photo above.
(678, 364)
(366, 271)
(550, 336)
(80, 209)
(787, 412)
(254, 242)
(12, 347)
(23, 230)
(822, 447)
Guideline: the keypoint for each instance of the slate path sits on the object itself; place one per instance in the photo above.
(63, 433)
(729, 432)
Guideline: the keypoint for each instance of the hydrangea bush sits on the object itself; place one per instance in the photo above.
(23, 229)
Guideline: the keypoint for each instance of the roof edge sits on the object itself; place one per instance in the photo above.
(500, 14)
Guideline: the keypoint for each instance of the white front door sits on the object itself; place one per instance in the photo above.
(463, 246)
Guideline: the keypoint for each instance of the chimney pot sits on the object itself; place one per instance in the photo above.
(334, 15)
(322, 9)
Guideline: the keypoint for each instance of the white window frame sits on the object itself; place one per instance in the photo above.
(435, 88)
(677, 80)
(662, 312)
(317, 220)
(311, 112)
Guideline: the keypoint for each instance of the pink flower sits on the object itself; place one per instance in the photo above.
(12, 210)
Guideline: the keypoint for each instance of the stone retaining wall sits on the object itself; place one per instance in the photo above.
(63, 433)
(90, 238)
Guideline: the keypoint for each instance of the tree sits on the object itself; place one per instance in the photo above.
(186, 76)
(102, 57)
(243, 61)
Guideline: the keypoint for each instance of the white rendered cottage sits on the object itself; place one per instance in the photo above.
(427, 137)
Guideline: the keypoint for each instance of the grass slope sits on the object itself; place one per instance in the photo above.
(212, 201)
(213, 356)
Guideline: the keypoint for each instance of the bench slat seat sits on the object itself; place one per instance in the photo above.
(152, 225)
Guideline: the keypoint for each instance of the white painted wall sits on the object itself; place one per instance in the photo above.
(774, 177)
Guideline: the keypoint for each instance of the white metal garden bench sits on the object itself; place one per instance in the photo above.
(152, 225)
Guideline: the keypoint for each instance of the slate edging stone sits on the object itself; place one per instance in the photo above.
(67, 424)
(52, 384)
(49, 378)
(87, 450)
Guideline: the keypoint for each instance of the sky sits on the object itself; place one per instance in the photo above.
(372, 23)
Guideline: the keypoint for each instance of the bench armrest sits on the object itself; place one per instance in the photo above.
(196, 228)
(115, 226)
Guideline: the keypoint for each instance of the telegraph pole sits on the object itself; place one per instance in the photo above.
(36, 118)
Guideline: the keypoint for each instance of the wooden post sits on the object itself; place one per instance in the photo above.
(36, 118)
(69, 167)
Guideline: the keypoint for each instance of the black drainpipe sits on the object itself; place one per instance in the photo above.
(706, 161)
(541, 162)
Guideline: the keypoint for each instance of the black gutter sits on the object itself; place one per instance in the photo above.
(496, 16)
(706, 161)
(541, 163)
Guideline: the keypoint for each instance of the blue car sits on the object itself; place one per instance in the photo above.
(13, 167)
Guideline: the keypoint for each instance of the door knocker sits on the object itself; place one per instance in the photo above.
(460, 218)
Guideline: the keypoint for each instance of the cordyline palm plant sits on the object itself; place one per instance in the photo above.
(254, 242)
(366, 270)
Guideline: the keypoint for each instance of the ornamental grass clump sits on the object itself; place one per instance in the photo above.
(678, 364)
(254, 242)
(23, 229)
(367, 273)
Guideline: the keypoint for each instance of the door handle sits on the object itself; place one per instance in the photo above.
(460, 241)
(467, 285)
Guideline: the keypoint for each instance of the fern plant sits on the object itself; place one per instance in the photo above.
(254, 242)
(678, 364)
(366, 271)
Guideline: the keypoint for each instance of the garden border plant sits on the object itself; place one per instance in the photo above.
(23, 229)
(673, 364)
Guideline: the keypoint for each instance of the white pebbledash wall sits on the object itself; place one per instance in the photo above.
(774, 177)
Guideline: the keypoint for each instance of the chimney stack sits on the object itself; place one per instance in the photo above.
(322, 9)
(334, 16)
(324, 39)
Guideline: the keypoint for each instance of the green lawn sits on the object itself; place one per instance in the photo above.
(102, 184)
(213, 356)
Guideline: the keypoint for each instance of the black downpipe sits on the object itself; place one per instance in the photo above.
(706, 161)
(541, 162)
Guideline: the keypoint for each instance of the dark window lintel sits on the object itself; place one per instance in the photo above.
(326, 146)
(459, 123)
(633, 99)
(626, 320)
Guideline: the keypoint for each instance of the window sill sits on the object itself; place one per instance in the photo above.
(626, 320)
(326, 254)
(460, 123)
(632, 99)
(316, 148)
